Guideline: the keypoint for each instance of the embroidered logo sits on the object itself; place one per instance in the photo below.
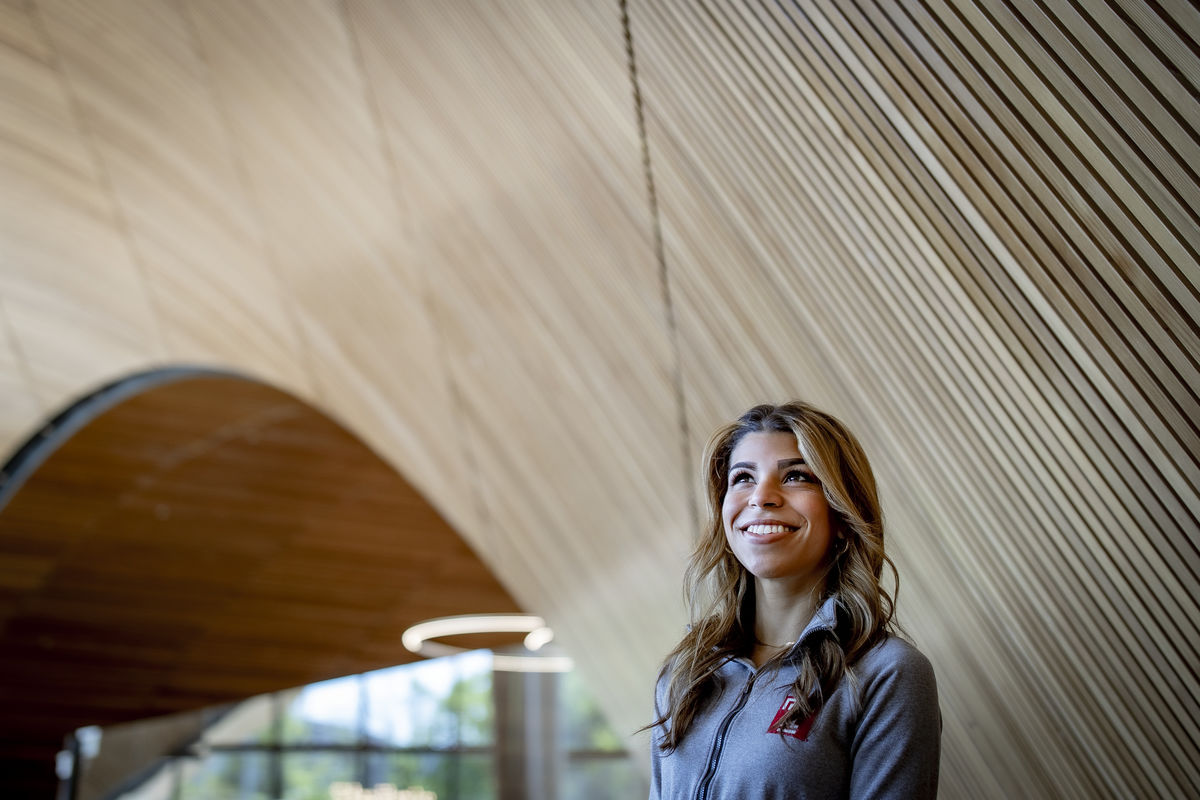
(799, 731)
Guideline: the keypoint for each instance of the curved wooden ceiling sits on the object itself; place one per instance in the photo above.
(201, 542)
(533, 278)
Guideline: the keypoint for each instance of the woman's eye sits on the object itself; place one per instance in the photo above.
(798, 476)
(739, 477)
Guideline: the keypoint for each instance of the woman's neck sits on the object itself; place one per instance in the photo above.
(780, 614)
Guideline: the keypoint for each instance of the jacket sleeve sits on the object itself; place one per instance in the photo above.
(655, 769)
(656, 739)
(896, 748)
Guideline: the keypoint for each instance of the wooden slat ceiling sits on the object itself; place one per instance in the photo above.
(532, 252)
(201, 542)
(972, 229)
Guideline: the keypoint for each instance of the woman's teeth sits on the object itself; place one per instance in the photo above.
(765, 530)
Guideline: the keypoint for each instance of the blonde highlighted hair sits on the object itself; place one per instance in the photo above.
(723, 625)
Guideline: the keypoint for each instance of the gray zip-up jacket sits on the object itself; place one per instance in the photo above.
(887, 745)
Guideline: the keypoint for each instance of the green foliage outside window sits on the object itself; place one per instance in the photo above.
(308, 776)
(226, 776)
(583, 722)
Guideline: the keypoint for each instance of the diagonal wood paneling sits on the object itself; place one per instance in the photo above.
(532, 224)
(969, 227)
(972, 231)
(319, 178)
(58, 221)
(175, 181)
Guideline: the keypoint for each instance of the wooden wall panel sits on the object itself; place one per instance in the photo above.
(65, 273)
(320, 179)
(18, 401)
(968, 227)
(515, 130)
(972, 231)
(173, 175)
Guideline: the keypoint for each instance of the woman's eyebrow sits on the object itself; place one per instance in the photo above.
(783, 463)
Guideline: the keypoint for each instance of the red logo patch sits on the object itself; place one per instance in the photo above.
(798, 731)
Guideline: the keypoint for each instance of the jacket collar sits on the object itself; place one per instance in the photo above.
(824, 620)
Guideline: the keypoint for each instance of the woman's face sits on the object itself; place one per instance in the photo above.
(777, 520)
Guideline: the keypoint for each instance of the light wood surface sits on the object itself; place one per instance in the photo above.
(970, 229)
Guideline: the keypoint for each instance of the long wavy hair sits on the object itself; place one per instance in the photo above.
(723, 623)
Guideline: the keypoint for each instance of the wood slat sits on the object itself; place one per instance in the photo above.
(903, 209)
(522, 145)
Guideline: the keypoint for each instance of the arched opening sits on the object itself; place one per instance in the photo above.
(182, 539)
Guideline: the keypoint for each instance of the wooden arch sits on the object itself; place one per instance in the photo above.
(196, 539)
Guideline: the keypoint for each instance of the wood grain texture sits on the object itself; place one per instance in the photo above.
(174, 176)
(971, 231)
(206, 540)
(319, 179)
(532, 225)
(68, 274)
(969, 228)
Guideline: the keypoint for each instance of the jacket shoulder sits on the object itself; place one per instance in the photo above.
(896, 651)
(896, 665)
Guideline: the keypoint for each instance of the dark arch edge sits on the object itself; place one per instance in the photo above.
(54, 432)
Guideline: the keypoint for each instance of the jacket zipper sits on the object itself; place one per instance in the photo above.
(719, 743)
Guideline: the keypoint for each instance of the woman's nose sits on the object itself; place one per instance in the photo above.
(766, 494)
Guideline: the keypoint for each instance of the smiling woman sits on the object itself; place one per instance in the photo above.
(777, 520)
(792, 680)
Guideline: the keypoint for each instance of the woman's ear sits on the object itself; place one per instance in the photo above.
(840, 543)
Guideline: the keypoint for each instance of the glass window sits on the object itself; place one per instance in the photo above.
(586, 778)
(225, 776)
(440, 703)
(308, 775)
(470, 703)
(584, 726)
(429, 725)
(596, 762)
(322, 713)
(448, 775)
(476, 776)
